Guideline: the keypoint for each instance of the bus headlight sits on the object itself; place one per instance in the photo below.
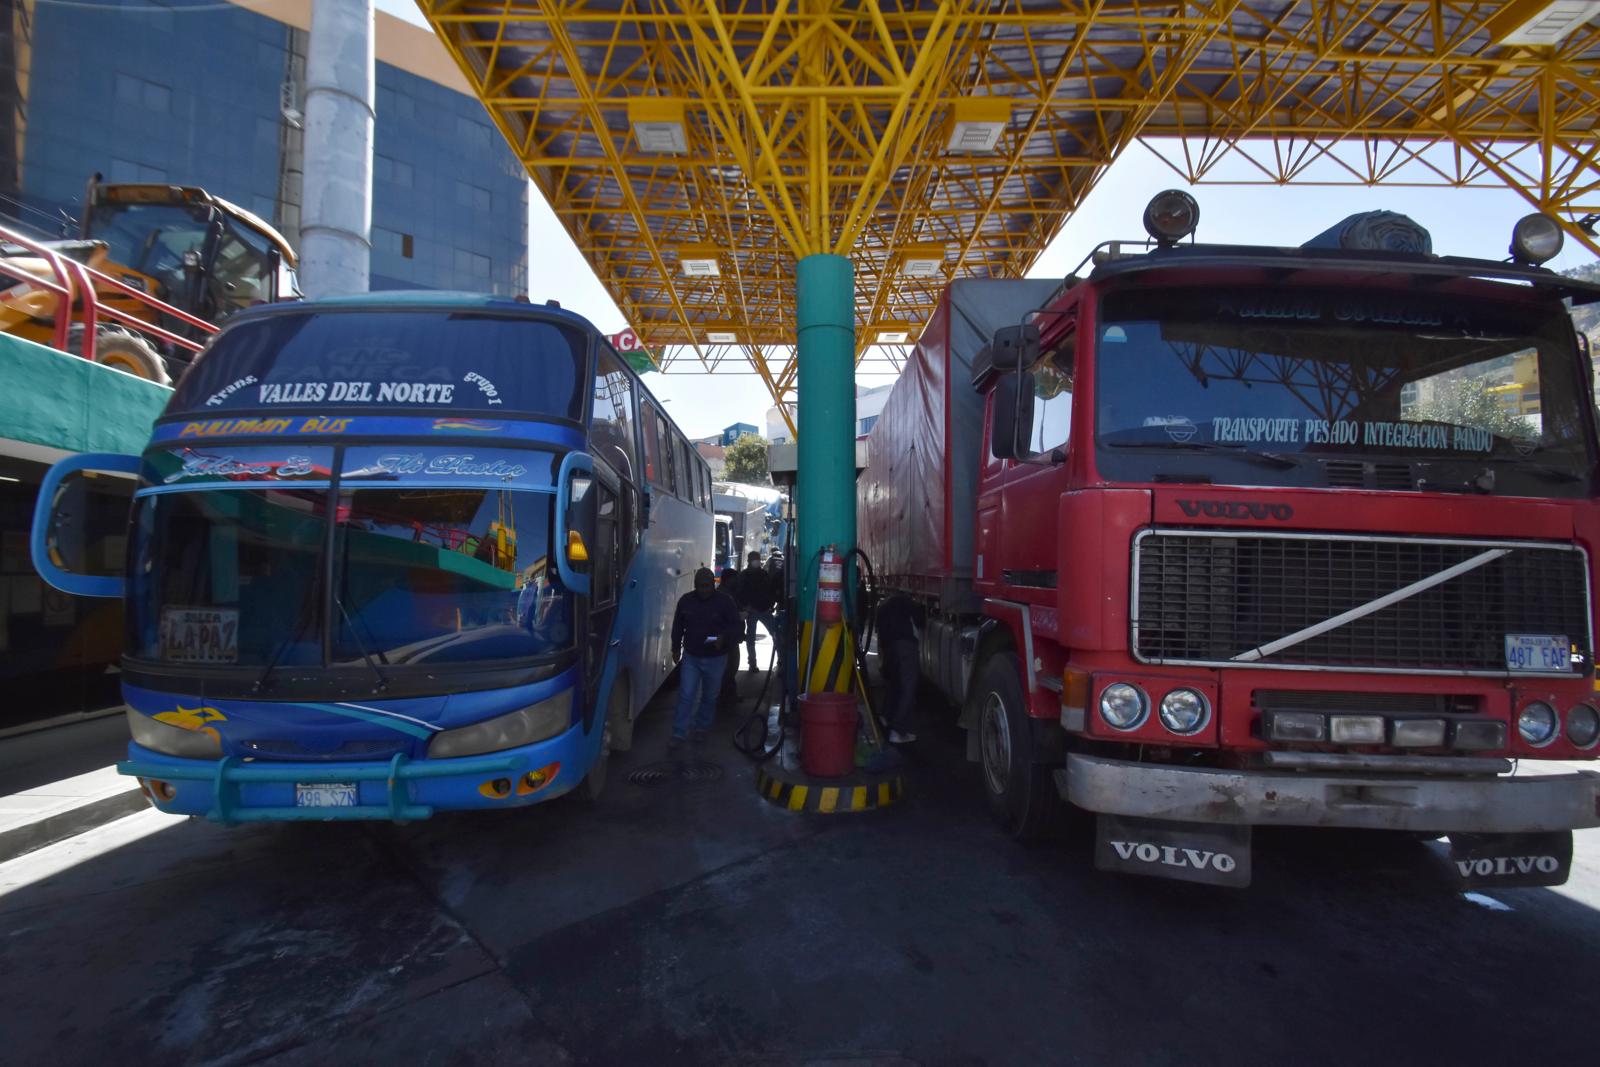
(1537, 724)
(1184, 711)
(170, 740)
(536, 722)
(1583, 726)
(1124, 706)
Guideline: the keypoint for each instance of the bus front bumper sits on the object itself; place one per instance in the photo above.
(236, 790)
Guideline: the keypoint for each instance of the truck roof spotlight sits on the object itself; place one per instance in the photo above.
(1536, 239)
(1171, 216)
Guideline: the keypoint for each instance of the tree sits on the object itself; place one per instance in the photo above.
(1470, 402)
(746, 461)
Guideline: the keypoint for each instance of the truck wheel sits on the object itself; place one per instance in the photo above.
(1022, 794)
(130, 354)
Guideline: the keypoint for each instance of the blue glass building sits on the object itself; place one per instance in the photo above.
(194, 93)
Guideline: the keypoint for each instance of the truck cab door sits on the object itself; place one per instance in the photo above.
(1033, 482)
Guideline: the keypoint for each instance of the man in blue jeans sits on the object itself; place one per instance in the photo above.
(705, 626)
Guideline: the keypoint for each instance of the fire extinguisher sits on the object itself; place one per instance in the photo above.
(830, 588)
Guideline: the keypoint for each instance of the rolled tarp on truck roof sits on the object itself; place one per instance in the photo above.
(916, 508)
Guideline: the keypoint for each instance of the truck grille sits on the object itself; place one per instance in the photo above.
(1203, 598)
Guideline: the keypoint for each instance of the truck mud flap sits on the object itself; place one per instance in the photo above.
(1485, 861)
(1211, 853)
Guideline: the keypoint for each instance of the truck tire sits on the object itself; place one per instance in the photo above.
(1021, 792)
(131, 354)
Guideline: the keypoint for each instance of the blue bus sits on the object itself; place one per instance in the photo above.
(389, 555)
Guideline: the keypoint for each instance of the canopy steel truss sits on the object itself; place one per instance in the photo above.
(815, 126)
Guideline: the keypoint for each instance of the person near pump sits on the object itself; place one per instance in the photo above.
(704, 627)
(755, 594)
(900, 623)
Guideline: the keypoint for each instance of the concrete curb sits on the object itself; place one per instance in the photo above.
(71, 821)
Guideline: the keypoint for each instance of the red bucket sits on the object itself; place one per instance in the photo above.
(828, 734)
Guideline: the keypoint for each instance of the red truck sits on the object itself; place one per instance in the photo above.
(1217, 537)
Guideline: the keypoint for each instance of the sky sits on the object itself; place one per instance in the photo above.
(1465, 222)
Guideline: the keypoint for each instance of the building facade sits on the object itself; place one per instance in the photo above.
(209, 95)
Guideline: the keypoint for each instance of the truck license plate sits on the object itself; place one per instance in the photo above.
(325, 795)
(1540, 653)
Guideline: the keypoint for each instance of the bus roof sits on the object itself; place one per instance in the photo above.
(411, 299)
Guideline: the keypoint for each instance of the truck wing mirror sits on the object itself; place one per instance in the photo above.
(1015, 347)
(1012, 425)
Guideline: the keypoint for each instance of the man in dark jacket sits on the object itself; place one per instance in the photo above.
(755, 595)
(704, 627)
(900, 622)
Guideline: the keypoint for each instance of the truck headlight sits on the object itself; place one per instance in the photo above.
(1583, 726)
(1124, 706)
(536, 722)
(1184, 711)
(170, 740)
(1537, 724)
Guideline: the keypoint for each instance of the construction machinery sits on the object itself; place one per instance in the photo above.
(193, 252)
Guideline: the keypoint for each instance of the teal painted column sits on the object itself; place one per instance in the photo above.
(825, 487)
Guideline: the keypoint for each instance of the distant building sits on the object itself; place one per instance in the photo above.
(730, 434)
(869, 405)
(714, 453)
(209, 95)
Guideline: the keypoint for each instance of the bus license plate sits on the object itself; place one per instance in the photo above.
(1541, 653)
(325, 795)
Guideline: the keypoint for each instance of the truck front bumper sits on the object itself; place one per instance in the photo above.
(1485, 805)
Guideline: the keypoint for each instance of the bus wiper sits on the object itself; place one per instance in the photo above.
(1270, 459)
(383, 680)
(344, 575)
(306, 603)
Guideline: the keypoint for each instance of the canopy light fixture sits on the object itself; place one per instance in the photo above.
(658, 125)
(1553, 23)
(921, 261)
(1171, 216)
(895, 333)
(976, 123)
(699, 260)
(722, 337)
(1536, 239)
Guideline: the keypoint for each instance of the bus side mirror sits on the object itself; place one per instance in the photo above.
(80, 522)
(574, 508)
(1015, 347)
(1011, 424)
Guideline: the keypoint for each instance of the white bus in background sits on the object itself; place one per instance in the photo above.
(749, 519)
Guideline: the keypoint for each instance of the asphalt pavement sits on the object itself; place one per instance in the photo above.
(683, 919)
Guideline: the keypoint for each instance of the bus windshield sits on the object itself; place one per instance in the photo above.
(424, 576)
(424, 359)
(1311, 386)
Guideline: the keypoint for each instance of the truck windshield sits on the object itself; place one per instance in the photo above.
(237, 577)
(1380, 389)
(151, 238)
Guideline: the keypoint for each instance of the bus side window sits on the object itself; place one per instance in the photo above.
(652, 444)
(669, 462)
(612, 424)
(686, 483)
(604, 563)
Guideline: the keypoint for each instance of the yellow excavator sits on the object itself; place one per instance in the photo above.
(180, 244)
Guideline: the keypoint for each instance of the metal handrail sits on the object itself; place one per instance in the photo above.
(76, 281)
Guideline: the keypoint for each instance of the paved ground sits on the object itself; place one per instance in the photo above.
(694, 923)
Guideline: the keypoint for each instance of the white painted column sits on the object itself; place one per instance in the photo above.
(336, 218)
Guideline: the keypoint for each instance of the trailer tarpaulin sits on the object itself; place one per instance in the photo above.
(917, 498)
